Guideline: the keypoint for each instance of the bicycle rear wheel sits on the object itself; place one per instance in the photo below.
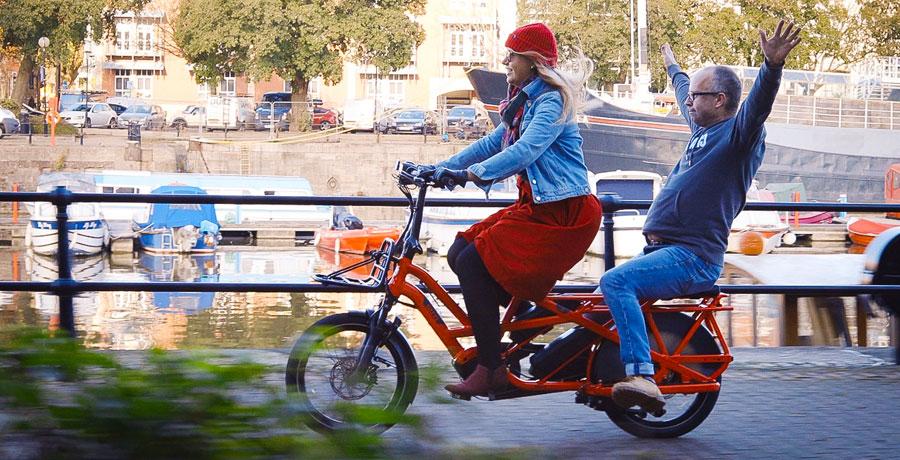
(684, 412)
(319, 373)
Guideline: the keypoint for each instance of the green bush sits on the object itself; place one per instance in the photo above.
(65, 401)
(11, 105)
(62, 128)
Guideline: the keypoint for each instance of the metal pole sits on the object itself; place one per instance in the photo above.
(609, 204)
(64, 281)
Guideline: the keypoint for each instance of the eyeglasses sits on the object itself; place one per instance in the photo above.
(692, 95)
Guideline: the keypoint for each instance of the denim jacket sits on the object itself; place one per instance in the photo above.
(549, 150)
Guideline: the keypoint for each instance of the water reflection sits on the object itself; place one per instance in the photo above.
(140, 320)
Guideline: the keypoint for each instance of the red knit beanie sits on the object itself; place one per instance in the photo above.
(535, 37)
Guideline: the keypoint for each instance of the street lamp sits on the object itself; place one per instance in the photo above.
(43, 43)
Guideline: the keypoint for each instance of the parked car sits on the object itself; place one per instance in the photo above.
(416, 121)
(274, 108)
(324, 118)
(465, 121)
(148, 116)
(386, 123)
(118, 108)
(9, 124)
(98, 114)
(191, 117)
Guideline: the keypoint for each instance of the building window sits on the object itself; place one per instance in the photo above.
(228, 84)
(122, 83)
(144, 83)
(391, 92)
(466, 43)
(122, 40)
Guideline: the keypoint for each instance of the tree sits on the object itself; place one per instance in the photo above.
(600, 29)
(701, 32)
(298, 41)
(67, 23)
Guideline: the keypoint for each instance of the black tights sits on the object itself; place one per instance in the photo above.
(483, 297)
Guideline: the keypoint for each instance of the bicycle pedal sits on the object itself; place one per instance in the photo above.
(460, 397)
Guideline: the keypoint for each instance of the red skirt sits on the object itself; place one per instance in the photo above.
(528, 247)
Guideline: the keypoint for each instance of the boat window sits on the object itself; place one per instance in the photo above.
(896, 182)
(108, 190)
(269, 192)
(126, 190)
(185, 206)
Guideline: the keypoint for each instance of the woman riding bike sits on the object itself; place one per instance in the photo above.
(522, 250)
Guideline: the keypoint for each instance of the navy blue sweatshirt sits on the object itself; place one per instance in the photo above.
(708, 186)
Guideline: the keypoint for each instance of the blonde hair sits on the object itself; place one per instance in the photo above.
(568, 78)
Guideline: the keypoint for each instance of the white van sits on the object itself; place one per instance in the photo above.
(359, 115)
(229, 112)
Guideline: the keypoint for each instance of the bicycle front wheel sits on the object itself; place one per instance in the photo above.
(320, 374)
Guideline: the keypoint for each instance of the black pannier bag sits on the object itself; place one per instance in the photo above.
(575, 341)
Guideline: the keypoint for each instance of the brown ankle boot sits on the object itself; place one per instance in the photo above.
(481, 382)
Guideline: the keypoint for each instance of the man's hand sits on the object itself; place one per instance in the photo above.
(668, 55)
(776, 49)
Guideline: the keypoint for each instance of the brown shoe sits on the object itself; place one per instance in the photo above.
(481, 382)
(638, 391)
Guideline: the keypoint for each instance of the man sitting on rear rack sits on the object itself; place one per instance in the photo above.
(688, 224)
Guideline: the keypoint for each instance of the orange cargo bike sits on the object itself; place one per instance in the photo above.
(362, 358)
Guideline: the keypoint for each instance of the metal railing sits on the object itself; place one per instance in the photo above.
(65, 287)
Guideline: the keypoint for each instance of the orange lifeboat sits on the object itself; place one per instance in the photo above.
(358, 241)
(863, 229)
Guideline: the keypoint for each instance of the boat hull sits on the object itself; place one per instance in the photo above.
(360, 241)
(863, 230)
(164, 241)
(86, 237)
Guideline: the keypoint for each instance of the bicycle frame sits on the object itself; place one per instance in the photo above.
(390, 273)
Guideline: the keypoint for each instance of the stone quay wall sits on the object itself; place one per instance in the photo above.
(349, 165)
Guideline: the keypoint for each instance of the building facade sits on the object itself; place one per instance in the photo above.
(141, 63)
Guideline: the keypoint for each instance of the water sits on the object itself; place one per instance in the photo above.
(141, 320)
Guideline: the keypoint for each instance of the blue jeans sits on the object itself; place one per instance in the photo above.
(668, 272)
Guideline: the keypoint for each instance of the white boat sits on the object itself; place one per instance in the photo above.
(133, 182)
(441, 224)
(758, 232)
(628, 235)
(88, 230)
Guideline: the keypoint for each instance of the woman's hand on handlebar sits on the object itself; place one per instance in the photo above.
(450, 178)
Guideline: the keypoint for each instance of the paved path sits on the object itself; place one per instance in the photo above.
(775, 403)
(801, 402)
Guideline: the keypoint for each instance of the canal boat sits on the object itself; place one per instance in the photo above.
(299, 216)
(178, 227)
(628, 224)
(87, 229)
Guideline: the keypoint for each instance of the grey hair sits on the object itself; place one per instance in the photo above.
(569, 80)
(728, 82)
